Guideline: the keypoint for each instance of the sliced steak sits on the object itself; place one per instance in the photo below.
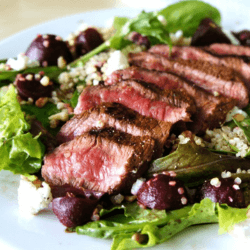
(169, 106)
(229, 49)
(119, 117)
(106, 161)
(184, 52)
(213, 78)
(193, 53)
(211, 110)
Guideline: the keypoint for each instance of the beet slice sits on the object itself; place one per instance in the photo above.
(243, 36)
(208, 32)
(162, 192)
(73, 211)
(29, 85)
(46, 49)
(223, 190)
(86, 41)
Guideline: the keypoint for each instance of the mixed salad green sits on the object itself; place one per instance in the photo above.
(23, 154)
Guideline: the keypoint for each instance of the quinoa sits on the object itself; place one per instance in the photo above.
(94, 71)
(228, 139)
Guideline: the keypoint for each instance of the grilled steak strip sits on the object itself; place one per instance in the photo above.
(169, 106)
(229, 49)
(194, 53)
(106, 161)
(119, 117)
(213, 78)
(211, 110)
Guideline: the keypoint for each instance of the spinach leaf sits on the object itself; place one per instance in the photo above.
(187, 15)
(42, 114)
(194, 164)
(74, 99)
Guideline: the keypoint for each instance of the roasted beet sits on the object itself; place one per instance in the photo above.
(73, 211)
(162, 192)
(139, 39)
(33, 86)
(223, 190)
(86, 41)
(243, 37)
(207, 33)
(47, 49)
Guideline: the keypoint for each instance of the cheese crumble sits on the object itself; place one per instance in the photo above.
(33, 198)
(22, 62)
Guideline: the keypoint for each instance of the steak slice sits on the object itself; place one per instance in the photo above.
(211, 110)
(119, 117)
(193, 53)
(169, 106)
(213, 78)
(229, 49)
(184, 52)
(104, 161)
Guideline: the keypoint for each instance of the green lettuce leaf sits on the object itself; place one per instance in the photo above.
(19, 151)
(158, 225)
(229, 216)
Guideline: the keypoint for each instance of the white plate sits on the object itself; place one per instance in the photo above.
(44, 231)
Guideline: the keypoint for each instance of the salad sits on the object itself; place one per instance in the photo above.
(140, 227)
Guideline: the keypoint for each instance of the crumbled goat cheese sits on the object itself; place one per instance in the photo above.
(117, 199)
(162, 19)
(178, 38)
(137, 185)
(61, 62)
(32, 199)
(22, 62)
(62, 116)
(233, 112)
(183, 139)
(117, 60)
